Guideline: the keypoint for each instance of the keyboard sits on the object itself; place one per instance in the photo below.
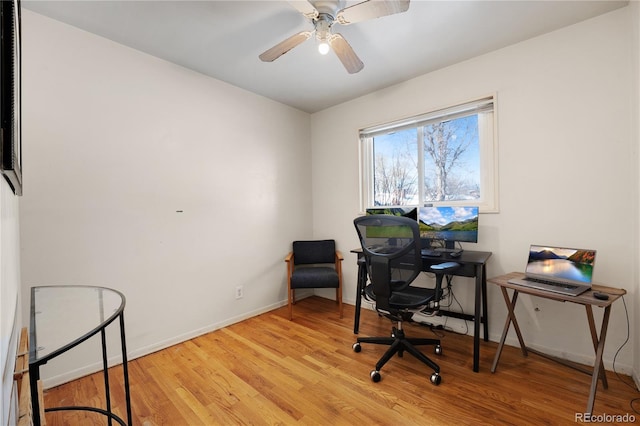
(430, 253)
(547, 282)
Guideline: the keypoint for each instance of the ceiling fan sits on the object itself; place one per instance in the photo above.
(323, 14)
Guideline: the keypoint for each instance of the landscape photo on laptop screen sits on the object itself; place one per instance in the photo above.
(566, 263)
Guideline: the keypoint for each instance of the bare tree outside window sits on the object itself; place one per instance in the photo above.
(451, 164)
(395, 172)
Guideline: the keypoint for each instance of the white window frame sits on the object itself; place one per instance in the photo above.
(488, 139)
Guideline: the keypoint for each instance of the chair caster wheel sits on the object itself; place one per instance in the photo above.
(375, 376)
(438, 350)
(356, 347)
(435, 379)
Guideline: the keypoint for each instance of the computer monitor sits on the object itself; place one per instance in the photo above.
(448, 224)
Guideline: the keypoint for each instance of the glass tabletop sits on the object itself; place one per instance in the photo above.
(65, 316)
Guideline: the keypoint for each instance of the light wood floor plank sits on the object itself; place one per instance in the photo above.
(268, 370)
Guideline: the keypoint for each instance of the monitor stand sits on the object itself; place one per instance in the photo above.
(452, 251)
(450, 248)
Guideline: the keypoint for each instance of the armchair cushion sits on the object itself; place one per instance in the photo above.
(315, 277)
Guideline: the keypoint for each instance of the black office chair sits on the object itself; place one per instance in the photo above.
(391, 248)
(314, 264)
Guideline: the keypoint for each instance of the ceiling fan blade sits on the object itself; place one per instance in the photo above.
(371, 9)
(345, 53)
(283, 47)
(305, 8)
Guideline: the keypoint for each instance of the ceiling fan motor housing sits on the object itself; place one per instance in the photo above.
(328, 7)
(323, 26)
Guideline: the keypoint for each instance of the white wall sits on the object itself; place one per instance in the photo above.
(10, 321)
(635, 19)
(116, 142)
(566, 167)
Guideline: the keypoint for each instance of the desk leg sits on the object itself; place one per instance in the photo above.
(485, 315)
(34, 376)
(511, 318)
(105, 373)
(125, 369)
(597, 365)
(594, 338)
(476, 320)
(362, 278)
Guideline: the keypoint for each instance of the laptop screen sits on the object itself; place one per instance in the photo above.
(561, 264)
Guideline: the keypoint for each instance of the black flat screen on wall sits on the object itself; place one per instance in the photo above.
(10, 94)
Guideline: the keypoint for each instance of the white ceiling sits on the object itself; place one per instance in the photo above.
(223, 39)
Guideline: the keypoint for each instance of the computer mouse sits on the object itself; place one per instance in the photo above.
(601, 296)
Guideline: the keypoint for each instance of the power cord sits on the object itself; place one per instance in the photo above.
(632, 386)
(450, 297)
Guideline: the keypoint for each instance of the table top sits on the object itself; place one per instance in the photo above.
(585, 298)
(65, 316)
(467, 256)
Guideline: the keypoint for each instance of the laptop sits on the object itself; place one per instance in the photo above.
(558, 269)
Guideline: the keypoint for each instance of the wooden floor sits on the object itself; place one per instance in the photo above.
(269, 370)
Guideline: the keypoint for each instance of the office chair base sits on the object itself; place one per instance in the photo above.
(398, 344)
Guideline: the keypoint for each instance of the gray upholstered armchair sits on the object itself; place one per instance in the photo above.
(314, 264)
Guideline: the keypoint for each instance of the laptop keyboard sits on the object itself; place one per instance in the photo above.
(537, 280)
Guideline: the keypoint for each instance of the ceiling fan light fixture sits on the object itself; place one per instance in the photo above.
(323, 25)
(323, 47)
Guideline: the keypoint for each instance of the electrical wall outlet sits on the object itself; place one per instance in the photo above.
(239, 292)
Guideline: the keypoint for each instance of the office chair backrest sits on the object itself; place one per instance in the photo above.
(391, 248)
(310, 252)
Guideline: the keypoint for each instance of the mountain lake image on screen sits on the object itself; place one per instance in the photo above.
(449, 224)
(565, 263)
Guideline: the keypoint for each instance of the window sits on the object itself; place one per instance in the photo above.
(442, 157)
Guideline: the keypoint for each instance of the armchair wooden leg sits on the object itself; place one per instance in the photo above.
(339, 299)
(291, 298)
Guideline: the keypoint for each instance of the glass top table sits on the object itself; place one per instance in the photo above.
(61, 318)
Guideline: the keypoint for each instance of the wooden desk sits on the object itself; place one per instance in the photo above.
(473, 264)
(586, 299)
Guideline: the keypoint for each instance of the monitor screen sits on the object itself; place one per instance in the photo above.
(410, 212)
(390, 231)
(571, 264)
(449, 224)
